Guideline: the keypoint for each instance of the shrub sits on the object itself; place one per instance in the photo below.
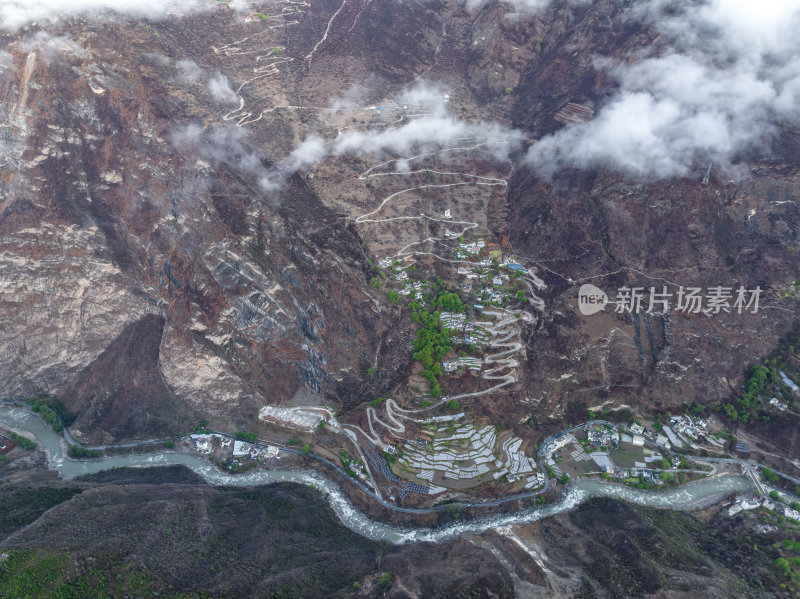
(306, 449)
(23, 442)
(769, 475)
(80, 452)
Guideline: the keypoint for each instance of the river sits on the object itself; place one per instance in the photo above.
(686, 497)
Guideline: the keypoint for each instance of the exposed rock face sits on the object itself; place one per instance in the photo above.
(62, 299)
(144, 284)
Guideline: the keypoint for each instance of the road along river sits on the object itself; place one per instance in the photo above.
(686, 497)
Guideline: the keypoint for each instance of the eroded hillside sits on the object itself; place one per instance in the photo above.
(193, 209)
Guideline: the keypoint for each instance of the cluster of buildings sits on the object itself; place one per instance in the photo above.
(463, 331)
(254, 452)
(743, 503)
(512, 264)
(6, 444)
(776, 403)
(470, 248)
(789, 382)
(638, 434)
(205, 443)
(556, 443)
(411, 288)
(685, 430)
(682, 431)
(453, 320)
(641, 469)
(646, 474)
(603, 436)
(467, 362)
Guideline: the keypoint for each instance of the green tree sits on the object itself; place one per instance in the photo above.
(769, 475)
(782, 564)
(80, 452)
(306, 449)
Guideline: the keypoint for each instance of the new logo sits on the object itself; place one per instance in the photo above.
(591, 299)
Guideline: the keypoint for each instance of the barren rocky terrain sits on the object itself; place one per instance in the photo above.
(195, 200)
(137, 210)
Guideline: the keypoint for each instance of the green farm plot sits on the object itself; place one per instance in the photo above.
(626, 455)
(575, 468)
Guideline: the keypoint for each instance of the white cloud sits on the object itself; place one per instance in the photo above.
(188, 71)
(220, 91)
(312, 150)
(429, 132)
(730, 79)
(52, 47)
(15, 14)
(224, 145)
(424, 96)
(520, 7)
(6, 60)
